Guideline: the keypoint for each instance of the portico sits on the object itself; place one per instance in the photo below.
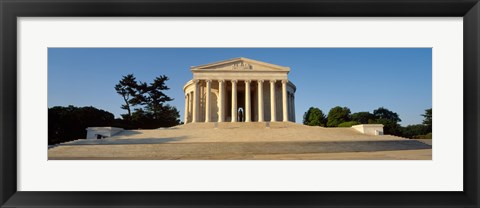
(239, 90)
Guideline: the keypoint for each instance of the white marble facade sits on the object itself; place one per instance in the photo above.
(217, 92)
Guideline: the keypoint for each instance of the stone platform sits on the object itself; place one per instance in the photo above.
(277, 140)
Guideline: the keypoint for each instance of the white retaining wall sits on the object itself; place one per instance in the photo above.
(93, 132)
(369, 129)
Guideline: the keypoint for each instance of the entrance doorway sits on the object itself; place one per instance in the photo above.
(240, 115)
(241, 106)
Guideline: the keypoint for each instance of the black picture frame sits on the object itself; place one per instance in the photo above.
(11, 9)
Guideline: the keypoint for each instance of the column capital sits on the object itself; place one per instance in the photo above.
(284, 81)
(208, 80)
(248, 81)
(273, 81)
(234, 81)
(196, 81)
(221, 81)
(260, 80)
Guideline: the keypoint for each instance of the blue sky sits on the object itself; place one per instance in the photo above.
(363, 79)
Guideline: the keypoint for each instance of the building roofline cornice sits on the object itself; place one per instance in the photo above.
(202, 67)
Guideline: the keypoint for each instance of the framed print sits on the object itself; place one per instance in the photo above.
(109, 54)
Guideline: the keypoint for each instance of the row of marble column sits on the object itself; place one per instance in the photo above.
(196, 98)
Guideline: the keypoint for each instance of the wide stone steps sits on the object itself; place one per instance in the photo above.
(225, 149)
(235, 132)
(425, 141)
(243, 125)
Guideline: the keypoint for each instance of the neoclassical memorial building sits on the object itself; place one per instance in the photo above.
(239, 90)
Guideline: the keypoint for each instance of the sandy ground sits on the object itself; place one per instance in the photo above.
(239, 141)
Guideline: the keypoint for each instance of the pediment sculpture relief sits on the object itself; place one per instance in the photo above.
(242, 66)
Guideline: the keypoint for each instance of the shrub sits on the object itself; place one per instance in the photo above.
(338, 115)
(348, 124)
(389, 126)
(411, 131)
(314, 117)
(362, 117)
(427, 136)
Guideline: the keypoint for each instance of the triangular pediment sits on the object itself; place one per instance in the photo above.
(240, 64)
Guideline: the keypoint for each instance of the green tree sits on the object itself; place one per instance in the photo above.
(428, 119)
(362, 117)
(383, 113)
(169, 116)
(411, 131)
(389, 126)
(314, 117)
(156, 97)
(389, 119)
(338, 115)
(348, 124)
(143, 119)
(151, 101)
(127, 88)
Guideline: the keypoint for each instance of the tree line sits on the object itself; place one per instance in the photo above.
(342, 117)
(70, 122)
(145, 103)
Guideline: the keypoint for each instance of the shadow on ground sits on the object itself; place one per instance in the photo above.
(292, 147)
(116, 141)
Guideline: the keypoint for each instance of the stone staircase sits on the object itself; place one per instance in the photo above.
(393, 136)
(238, 125)
(222, 140)
(236, 132)
(425, 141)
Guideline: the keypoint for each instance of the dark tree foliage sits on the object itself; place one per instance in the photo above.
(141, 98)
(428, 119)
(338, 115)
(389, 126)
(348, 124)
(167, 117)
(124, 124)
(152, 110)
(70, 123)
(411, 131)
(156, 98)
(314, 117)
(127, 88)
(389, 119)
(341, 117)
(143, 119)
(362, 117)
(420, 131)
(383, 113)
